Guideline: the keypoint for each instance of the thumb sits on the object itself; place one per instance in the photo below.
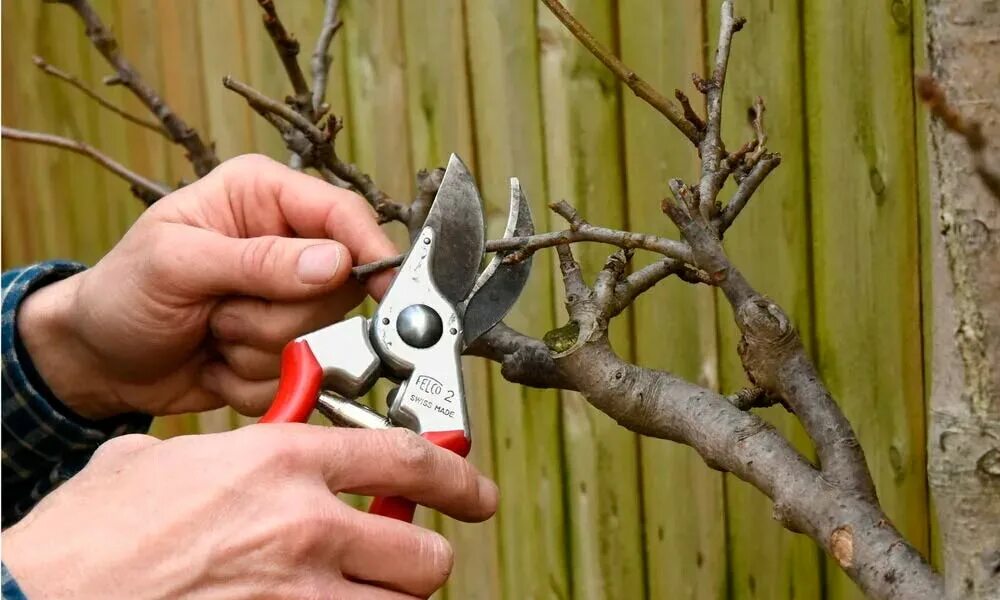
(271, 267)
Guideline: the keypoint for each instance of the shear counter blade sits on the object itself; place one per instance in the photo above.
(501, 283)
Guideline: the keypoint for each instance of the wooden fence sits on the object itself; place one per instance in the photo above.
(588, 509)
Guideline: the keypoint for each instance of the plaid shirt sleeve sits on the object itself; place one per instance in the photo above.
(44, 442)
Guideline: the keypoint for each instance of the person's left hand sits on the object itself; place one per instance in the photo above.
(191, 309)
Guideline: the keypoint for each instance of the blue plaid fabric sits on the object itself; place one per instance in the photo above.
(44, 442)
(9, 587)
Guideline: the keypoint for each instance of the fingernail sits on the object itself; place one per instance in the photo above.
(489, 494)
(319, 263)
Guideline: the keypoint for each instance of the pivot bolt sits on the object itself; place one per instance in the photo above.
(419, 326)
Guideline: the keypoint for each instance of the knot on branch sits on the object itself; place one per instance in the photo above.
(768, 339)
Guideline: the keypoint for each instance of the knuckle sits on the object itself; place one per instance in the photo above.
(280, 456)
(250, 162)
(305, 529)
(121, 446)
(260, 255)
(412, 451)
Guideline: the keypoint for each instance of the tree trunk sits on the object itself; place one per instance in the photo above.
(964, 440)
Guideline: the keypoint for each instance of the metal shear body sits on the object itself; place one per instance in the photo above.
(435, 307)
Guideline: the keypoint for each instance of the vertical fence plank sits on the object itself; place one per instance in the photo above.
(74, 183)
(770, 244)
(23, 193)
(526, 431)
(137, 27)
(673, 324)
(230, 123)
(927, 229)
(376, 116)
(440, 122)
(866, 254)
(179, 42)
(184, 88)
(584, 158)
(230, 120)
(111, 135)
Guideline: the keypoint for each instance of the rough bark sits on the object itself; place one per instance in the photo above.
(964, 440)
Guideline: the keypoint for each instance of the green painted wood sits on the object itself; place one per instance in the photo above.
(440, 122)
(503, 59)
(866, 259)
(111, 134)
(673, 324)
(23, 193)
(230, 120)
(583, 153)
(394, 81)
(928, 228)
(230, 123)
(770, 244)
(136, 26)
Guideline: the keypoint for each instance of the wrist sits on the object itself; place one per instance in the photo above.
(46, 323)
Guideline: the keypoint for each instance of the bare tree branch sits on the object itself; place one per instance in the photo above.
(323, 152)
(629, 77)
(520, 248)
(747, 187)
(932, 94)
(321, 59)
(202, 156)
(711, 147)
(145, 189)
(48, 69)
(288, 50)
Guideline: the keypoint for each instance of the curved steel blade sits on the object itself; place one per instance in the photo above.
(500, 285)
(457, 219)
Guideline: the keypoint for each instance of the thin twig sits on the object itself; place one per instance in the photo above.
(520, 248)
(288, 50)
(608, 279)
(48, 69)
(748, 186)
(324, 152)
(933, 95)
(752, 397)
(711, 147)
(689, 112)
(637, 84)
(201, 156)
(145, 189)
(321, 59)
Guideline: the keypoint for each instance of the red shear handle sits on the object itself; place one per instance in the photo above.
(298, 387)
(396, 507)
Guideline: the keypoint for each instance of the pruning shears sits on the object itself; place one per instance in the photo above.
(438, 304)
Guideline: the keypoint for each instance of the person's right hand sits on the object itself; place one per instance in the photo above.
(246, 514)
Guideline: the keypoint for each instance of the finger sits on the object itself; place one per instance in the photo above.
(268, 198)
(364, 591)
(271, 267)
(396, 462)
(249, 398)
(252, 364)
(121, 446)
(397, 555)
(270, 325)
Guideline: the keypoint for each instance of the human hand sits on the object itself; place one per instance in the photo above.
(191, 309)
(246, 514)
